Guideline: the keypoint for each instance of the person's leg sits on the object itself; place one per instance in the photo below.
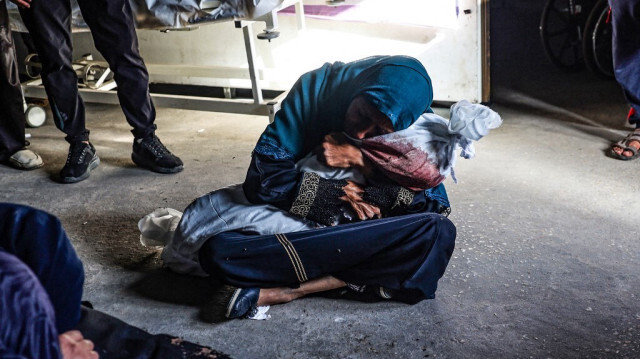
(112, 27)
(408, 254)
(49, 23)
(11, 111)
(271, 296)
(39, 240)
(223, 210)
(626, 59)
(28, 320)
(13, 149)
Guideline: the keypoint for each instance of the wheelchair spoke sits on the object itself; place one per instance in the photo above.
(556, 33)
(562, 16)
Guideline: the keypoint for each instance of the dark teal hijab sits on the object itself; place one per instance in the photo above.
(398, 86)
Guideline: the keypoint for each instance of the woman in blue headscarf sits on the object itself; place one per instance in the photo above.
(364, 98)
(402, 255)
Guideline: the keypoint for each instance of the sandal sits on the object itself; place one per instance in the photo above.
(625, 145)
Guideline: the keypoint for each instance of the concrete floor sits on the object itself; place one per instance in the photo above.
(547, 253)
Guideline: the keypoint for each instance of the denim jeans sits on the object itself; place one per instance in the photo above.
(626, 51)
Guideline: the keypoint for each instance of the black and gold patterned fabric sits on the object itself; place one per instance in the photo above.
(318, 199)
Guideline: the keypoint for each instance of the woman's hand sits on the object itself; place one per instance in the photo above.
(353, 196)
(336, 151)
(74, 346)
(22, 3)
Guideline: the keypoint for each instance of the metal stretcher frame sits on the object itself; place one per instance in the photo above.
(255, 106)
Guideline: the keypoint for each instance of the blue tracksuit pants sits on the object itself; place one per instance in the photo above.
(407, 254)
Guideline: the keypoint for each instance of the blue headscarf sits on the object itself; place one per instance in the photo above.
(398, 86)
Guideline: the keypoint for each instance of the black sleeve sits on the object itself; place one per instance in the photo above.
(318, 199)
(393, 200)
(271, 181)
(307, 195)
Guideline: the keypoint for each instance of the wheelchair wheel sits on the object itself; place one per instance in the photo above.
(597, 41)
(587, 40)
(561, 30)
(602, 43)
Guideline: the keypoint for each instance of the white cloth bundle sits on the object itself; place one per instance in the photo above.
(423, 155)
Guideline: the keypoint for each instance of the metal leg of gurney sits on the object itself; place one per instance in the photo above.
(274, 105)
(271, 21)
(300, 15)
(251, 50)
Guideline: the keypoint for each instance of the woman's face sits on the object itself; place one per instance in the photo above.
(363, 120)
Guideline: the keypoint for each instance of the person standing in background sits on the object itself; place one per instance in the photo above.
(13, 149)
(626, 62)
(112, 26)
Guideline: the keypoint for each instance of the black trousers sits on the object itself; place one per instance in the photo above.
(408, 254)
(112, 27)
(11, 110)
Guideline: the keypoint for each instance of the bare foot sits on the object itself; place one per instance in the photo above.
(271, 296)
(633, 143)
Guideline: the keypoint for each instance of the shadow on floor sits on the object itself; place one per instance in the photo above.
(165, 286)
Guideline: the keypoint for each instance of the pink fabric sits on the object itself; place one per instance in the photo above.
(402, 162)
(423, 155)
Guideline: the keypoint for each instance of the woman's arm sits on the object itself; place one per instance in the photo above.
(271, 181)
(276, 181)
(306, 195)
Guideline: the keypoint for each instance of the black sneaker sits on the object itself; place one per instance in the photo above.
(81, 160)
(151, 154)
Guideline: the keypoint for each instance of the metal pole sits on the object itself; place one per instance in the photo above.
(250, 48)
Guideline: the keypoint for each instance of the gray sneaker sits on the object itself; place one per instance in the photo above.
(26, 160)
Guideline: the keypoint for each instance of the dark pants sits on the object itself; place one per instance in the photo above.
(11, 110)
(112, 27)
(626, 51)
(408, 254)
(40, 288)
(39, 241)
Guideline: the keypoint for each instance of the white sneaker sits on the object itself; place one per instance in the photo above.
(26, 160)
